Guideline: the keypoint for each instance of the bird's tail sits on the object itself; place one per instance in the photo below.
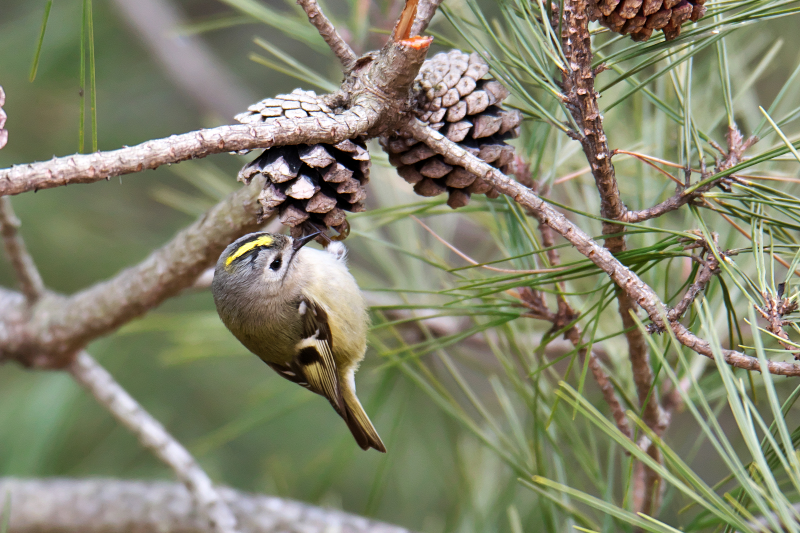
(359, 423)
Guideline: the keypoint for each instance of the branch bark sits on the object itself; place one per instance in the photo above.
(581, 100)
(152, 436)
(30, 282)
(89, 168)
(426, 9)
(626, 280)
(115, 506)
(328, 32)
(58, 326)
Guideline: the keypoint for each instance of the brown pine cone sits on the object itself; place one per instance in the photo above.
(454, 98)
(308, 184)
(640, 18)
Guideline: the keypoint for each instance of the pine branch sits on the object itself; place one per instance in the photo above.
(89, 168)
(328, 32)
(119, 506)
(425, 12)
(152, 435)
(581, 100)
(59, 326)
(30, 281)
(625, 279)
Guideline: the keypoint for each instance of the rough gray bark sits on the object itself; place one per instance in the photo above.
(328, 32)
(57, 326)
(112, 506)
(155, 438)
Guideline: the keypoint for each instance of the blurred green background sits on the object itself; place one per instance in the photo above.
(249, 428)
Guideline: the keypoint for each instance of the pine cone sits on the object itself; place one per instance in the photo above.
(453, 97)
(308, 184)
(639, 18)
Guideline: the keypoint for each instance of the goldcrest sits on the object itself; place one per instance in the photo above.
(300, 311)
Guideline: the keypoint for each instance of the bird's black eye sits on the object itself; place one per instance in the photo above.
(276, 264)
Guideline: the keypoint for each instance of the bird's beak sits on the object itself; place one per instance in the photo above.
(302, 241)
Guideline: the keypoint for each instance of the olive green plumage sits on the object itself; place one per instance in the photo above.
(301, 311)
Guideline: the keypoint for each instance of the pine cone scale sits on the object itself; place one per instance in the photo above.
(454, 98)
(314, 184)
(639, 18)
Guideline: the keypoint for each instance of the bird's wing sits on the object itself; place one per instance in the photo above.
(313, 366)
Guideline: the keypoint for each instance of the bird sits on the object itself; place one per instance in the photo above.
(301, 311)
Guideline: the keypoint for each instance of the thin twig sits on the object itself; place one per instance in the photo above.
(672, 203)
(565, 315)
(152, 435)
(709, 269)
(622, 276)
(609, 395)
(30, 282)
(645, 157)
(572, 175)
(647, 161)
(327, 30)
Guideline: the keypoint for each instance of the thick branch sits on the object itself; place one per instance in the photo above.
(610, 395)
(58, 326)
(114, 506)
(626, 279)
(89, 168)
(328, 32)
(30, 282)
(154, 437)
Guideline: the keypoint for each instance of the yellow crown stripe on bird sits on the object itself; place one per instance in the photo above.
(264, 240)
